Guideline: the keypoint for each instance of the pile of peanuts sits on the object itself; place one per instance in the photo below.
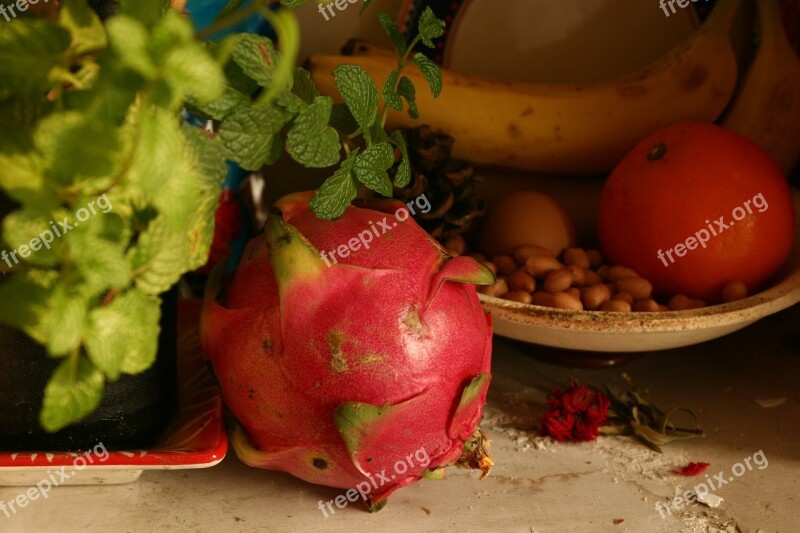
(577, 279)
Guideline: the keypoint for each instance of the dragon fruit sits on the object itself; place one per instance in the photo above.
(339, 371)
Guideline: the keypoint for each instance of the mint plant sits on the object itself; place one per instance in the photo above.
(90, 108)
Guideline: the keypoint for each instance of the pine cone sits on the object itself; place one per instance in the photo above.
(448, 184)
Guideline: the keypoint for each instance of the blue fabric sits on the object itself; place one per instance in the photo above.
(203, 12)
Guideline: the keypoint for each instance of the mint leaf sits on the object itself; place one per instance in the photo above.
(371, 168)
(291, 102)
(359, 93)
(22, 179)
(201, 230)
(341, 119)
(65, 320)
(311, 142)
(208, 156)
(429, 27)
(190, 70)
(149, 12)
(76, 146)
(44, 45)
(221, 107)
(406, 89)
(364, 6)
(88, 34)
(389, 92)
(377, 134)
(100, 262)
(293, 3)
(403, 176)
(35, 289)
(249, 134)
(159, 257)
(129, 40)
(333, 197)
(23, 225)
(123, 336)
(256, 55)
(431, 72)
(208, 176)
(238, 80)
(396, 38)
(73, 391)
(153, 161)
(178, 199)
(304, 86)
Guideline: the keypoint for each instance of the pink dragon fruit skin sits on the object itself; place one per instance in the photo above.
(335, 373)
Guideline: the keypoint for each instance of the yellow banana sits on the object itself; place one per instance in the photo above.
(767, 106)
(568, 129)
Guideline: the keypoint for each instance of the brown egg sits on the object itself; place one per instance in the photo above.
(526, 217)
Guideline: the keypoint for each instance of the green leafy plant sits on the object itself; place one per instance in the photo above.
(291, 114)
(90, 109)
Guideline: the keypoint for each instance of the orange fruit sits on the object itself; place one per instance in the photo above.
(695, 206)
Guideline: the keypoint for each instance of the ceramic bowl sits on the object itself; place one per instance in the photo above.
(597, 331)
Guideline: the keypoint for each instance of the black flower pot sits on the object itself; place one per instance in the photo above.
(133, 414)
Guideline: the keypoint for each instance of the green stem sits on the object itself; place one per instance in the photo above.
(355, 134)
(401, 64)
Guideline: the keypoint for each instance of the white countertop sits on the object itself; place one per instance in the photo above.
(537, 484)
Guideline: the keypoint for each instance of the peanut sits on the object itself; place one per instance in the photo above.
(625, 296)
(595, 258)
(521, 281)
(580, 280)
(577, 256)
(616, 306)
(681, 302)
(603, 272)
(544, 299)
(557, 281)
(575, 292)
(617, 273)
(562, 300)
(595, 296)
(505, 265)
(639, 288)
(518, 296)
(646, 306)
(735, 290)
(522, 253)
(539, 265)
(578, 275)
(592, 278)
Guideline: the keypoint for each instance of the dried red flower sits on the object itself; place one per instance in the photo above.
(575, 414)
(692, 469)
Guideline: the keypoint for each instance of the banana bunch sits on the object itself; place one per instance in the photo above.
(568, 129)
(767, 106)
